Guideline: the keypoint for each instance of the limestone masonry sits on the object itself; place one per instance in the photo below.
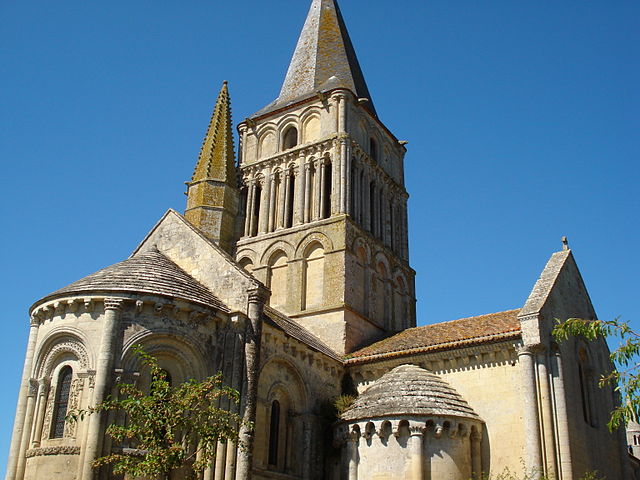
(289, 273)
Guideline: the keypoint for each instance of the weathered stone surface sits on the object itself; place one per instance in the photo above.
(409, 390)
(151, 272)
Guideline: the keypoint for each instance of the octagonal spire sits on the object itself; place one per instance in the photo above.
(324, 58)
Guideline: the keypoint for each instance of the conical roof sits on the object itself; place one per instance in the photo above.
(217, 159)
(324, 59)
(149, 273)
(409, 390)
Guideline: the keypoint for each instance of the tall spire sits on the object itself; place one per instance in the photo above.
(212, 196)
(217, 159)
(324, 58)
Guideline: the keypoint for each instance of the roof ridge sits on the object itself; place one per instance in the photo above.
(464, 318)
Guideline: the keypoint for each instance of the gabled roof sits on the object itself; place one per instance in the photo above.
(324, 59)
(297, 331)
(441, 336)
(148, 273)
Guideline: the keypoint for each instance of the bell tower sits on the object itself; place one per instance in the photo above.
(324, 211)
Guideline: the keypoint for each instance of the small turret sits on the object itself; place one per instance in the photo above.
(212, 195)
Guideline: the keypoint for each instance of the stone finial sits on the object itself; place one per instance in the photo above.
(565, 243)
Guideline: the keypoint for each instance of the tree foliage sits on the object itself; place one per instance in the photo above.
(169, 428)
(624, 375)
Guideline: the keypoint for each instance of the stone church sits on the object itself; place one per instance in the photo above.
(289, 273)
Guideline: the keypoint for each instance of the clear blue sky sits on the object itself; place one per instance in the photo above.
(522, 119)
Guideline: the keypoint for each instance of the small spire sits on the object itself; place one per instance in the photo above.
(565, 243)
(217, 158)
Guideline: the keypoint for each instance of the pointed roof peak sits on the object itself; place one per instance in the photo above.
(217, 158)
(324, 58)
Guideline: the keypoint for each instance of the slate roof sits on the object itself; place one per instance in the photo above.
(150, 272)
(409, 390)
(324, 59)
(439, 336)
(297, 331)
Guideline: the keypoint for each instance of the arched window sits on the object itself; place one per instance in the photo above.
(246, 264)
(290, 195)
(585, 373)
(326, 191)
(290, 138)
(313, 277)
(373, 149)
(274, 433)
(278, 279)
(61, 402)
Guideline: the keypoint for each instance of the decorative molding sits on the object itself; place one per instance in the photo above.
(45, 451)
(69, 345)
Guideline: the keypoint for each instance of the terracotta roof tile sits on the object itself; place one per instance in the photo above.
(443, 335)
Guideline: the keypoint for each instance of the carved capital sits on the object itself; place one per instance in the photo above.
(33, 388)
(258, 295)
(43, 385)
(111, 303)
(530, 349)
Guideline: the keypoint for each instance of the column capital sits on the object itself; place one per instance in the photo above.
(111, 303)
(33, 388)
(532, 349)
(258, 295)
(416, 429)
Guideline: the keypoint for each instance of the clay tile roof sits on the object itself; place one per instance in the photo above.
(465, 331)
(151, 273)
(297, 331)
(409, 390)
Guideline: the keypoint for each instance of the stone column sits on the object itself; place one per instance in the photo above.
(249, 210)
(415, 445)
(546, 400)
(306, 447)
(476, 454)
(366, 197)
(286, 220)
(565, 469)
(317, 190)
(352, 454)
(282, 197)
(323, 189)
(263, 217)
(104, 370)
(221, 460)
(43, 392)
(405, 232)
(346, 205)
(21, 409)
(28, 423)
(307, 193)
(273, 181)
(257, 299)
(298, 212)
(533, 452)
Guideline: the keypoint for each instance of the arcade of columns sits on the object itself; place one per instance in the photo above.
(297, 187)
